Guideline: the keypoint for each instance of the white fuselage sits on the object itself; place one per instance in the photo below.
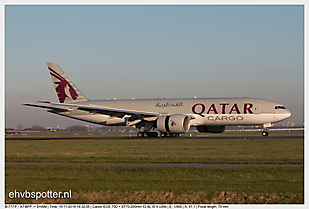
(203, 112)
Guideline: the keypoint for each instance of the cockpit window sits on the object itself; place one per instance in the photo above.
(279, 107)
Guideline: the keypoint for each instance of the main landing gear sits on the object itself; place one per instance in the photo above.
(155, 134)
(169, 135)
(147, 134)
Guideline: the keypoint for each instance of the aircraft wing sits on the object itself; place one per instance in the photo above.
(116, 112)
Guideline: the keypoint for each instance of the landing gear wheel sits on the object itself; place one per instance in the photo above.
(140, 134)
(169, 135)
(147, 134)
(264, 133)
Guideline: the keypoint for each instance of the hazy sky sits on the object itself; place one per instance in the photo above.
(153, 52)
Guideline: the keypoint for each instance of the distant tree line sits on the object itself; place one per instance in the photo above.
(77, 128)
(35, 128)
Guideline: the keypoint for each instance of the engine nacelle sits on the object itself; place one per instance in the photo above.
(173, 123)
(211, 129)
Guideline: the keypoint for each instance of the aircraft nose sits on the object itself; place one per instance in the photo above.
(288, 114)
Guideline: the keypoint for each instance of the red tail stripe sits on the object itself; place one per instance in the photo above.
(57, 74)
(59, 78)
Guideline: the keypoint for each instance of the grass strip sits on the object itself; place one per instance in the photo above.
(212, 150)
(158, 185)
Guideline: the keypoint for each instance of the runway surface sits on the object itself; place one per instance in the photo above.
(156, 165)
(159, 138)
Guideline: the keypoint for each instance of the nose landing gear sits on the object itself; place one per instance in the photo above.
(266, 128)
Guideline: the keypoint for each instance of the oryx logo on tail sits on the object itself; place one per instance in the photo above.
(65, 89)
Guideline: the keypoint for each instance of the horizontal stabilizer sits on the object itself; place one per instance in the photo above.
(47, 107)
(44, 101)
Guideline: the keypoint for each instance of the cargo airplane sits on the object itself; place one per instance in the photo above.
(167, 117)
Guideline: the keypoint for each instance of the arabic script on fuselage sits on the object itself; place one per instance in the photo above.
(178, 104)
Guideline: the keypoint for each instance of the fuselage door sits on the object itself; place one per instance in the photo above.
(257, 109)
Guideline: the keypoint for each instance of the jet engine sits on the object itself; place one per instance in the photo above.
(173, 123)
(211, 129)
